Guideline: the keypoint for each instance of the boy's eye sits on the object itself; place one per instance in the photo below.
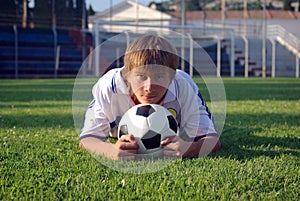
(160, 76)
(142, 77)
(155, 77)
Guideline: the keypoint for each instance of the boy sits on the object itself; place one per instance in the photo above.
(149, 75)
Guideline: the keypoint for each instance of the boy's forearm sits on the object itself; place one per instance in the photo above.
(110, 150)
(203, 147)
(97, 146)
(199, 148)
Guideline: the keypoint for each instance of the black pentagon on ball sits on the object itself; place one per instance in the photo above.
(145, 110)
(151, 140)
(172, 123)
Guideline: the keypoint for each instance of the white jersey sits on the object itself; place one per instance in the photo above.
(112, 100)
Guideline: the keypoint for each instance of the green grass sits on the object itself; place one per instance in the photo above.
(259, 160)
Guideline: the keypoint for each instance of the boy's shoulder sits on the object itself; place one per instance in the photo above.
(106, 79)
(111, 82)
(183, 76)
(110, 74)
(185, 79)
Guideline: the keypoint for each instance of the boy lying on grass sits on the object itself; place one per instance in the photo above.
(149, 76)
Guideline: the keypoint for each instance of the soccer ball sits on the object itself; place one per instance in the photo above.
(150, 124)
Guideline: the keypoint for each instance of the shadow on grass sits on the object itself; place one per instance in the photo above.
(262, 91)
(36, 94)
(36, 90)
(262, 120)
(28, 121)
(40, 105)
(250, 136)
(250, 146)
(257, 89)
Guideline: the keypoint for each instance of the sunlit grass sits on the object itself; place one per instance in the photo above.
(260, 157)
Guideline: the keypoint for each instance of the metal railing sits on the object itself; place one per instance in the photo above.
(287, 39)
(186, 31)
(277, 32)
(54, 57)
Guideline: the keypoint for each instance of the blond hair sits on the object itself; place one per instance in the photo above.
(151, 49)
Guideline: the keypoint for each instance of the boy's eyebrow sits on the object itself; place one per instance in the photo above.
(139, 72)
(149, 72)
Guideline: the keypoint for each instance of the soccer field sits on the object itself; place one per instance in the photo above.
(259, 160)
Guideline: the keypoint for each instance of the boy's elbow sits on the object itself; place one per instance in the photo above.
(217, 146)
(81, 145)
(84, 143)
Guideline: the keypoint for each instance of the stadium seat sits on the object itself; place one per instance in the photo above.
(34, 53)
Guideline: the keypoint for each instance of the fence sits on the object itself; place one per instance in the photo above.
(188, 45)
(61, 53)
(231, 56)
(286, 39)
(274, 51)
(41, 52)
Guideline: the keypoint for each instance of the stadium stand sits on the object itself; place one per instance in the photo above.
(199, 58)
(30, 53)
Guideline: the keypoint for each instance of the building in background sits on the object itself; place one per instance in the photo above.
(132, 13)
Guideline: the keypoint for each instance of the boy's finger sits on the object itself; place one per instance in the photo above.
(129, 145)
(127, 138)
(167, 140)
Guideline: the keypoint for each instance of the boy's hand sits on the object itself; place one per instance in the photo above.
(128, 144)
(174, 146)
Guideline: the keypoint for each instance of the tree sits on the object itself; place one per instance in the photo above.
(287, 5)
(8, 12)
(7, 8)
(65, 13)
(81, 14)
(59, 13)
(44, 13)
(192, 5)
(90, 11)
(13, 13)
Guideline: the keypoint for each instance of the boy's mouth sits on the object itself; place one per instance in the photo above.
(149, 96)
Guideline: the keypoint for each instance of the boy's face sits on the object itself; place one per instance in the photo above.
(149, 85)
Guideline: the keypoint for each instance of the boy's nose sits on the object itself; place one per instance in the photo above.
(148, 84)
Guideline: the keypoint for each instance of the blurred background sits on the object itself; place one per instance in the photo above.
(53, 38)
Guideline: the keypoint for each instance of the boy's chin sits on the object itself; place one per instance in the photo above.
(148, 101)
